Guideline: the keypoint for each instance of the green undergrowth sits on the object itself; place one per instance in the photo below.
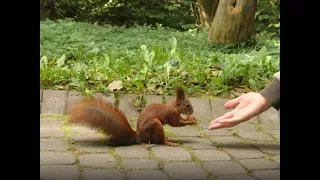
(87, 57)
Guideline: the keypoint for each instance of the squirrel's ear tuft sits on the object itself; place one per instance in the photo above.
(180, 93)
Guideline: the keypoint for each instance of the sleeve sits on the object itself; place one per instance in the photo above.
(272, 91)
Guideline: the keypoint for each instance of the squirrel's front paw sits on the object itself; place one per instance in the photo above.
(194, 122)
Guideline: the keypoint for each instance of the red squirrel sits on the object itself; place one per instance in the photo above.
(96, 113)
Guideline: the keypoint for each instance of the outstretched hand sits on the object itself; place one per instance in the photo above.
(245, 107)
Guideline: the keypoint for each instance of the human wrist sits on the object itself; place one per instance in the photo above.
(272, 94)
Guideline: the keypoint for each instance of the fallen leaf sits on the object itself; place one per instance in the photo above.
(215, 73)
(115, 85)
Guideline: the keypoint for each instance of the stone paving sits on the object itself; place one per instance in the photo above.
(248, 151)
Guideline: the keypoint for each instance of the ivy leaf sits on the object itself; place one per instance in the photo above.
(61, 61)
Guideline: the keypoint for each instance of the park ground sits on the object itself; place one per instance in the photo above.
(248, 151)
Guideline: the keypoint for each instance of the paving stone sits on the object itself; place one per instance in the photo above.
(269, 116)
(73, 98)
(40, 99)
(245, 127)
(268, 147)
(140, 164)
(203, 124)
(51, 132)
(169, 98)
(82, 130)
(59, 172)
(50, 144)
(132, 151)
(154, 99)
(267, 174)
(53, 102)
(243, 152)
(87, 137)
(217, 106)
(211, 155)
(258, 164)
(51, 120)
(126, 105)
(185, 170)
(226, 141)
(277, 136)
(254, 135)
(50, 125)
(107, 98)
(97, 160)
(184, 131)
(197, 143)
(176, 153)
(202, 109)
(276, 159)
(224, 168)
(56, 158)
(51, 129)
(95, 146)
(270, 126)
(254, 120)
(272, 131)
(216, 132)
(237, 177)
(155, 175)
(106, 174)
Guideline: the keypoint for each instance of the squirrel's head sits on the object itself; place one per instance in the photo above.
(182, 102)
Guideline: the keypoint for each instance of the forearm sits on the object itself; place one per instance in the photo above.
(272, 92)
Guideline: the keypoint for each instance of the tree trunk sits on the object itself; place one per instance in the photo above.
(233, 22)
(207, 10)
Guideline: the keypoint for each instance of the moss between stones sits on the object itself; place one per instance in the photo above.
(116, 99)
(268, 156)
(219, 146)
(198, 161)
(52, 116)
(202, 134)
(117, 157)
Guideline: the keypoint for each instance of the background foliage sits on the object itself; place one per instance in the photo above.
(150, 46)
(170, 13)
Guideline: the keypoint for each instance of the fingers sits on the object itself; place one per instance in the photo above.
(218, 126)
(232, 103)
(224, 123)
(226, 115)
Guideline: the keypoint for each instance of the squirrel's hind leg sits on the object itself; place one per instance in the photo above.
(153, 132)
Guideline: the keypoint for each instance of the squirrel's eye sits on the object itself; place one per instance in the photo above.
(187, 105)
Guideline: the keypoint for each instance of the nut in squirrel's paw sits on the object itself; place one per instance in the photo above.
(191, 117)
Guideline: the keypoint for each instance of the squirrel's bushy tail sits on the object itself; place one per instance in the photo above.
(96, 113)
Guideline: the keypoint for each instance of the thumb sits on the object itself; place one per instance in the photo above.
(232, 103)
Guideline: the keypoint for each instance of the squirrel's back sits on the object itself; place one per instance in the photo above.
(153, 111)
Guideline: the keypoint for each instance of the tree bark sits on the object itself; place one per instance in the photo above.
(233, 22)
(207, 10)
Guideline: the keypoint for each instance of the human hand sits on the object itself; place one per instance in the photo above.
(246, 106)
